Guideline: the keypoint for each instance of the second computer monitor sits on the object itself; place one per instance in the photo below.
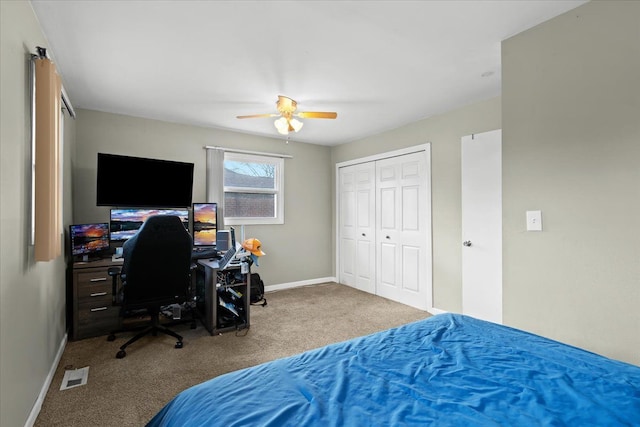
(205, 224)
(125, 223)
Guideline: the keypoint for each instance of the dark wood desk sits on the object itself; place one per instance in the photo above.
(93, 314)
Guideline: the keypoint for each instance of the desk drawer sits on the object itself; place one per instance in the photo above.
(92, 312)
(95, 307)
(93, 277)
(88, 292)
(96, 317)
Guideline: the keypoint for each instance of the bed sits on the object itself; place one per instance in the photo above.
(446, 370)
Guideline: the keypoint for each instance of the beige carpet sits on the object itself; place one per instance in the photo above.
(129, 391)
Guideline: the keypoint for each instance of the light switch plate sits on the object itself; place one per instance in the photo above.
(534, 220)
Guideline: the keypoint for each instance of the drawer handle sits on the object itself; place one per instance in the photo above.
(98, 294)
(98, 309)
(98, 279)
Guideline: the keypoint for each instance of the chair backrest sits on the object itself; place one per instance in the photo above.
(157, 262)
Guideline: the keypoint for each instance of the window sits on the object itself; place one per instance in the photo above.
(253, 190)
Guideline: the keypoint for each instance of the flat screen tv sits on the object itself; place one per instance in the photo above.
(205, 224)
(140, 182)
(89, 240)
(125, 223)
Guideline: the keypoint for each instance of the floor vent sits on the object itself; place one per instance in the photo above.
(74, 378)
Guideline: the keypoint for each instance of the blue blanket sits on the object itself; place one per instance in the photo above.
(447, 370)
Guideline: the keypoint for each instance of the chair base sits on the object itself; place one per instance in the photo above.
(153, 329)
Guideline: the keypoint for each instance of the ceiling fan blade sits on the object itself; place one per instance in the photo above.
(255, 116)
(317, 115)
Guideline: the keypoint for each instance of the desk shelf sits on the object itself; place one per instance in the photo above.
(207, 297)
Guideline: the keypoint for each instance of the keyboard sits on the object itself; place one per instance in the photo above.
(201, 253)
(227, 257)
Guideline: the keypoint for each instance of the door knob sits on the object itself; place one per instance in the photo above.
(364, 235)
(466, 243)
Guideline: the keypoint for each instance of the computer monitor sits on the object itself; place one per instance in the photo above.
(125, 223)
(89, 240)
(205, 224)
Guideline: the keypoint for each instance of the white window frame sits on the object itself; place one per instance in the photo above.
(278, 191)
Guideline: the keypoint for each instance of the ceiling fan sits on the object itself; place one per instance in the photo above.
(287, 121)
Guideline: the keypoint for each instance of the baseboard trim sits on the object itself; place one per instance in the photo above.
(434, 311)
(281, 286)
(45, 387)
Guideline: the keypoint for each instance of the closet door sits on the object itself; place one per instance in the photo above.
(403, 243)
(357, 226)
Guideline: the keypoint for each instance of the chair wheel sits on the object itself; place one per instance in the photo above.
(121, 354)
(179, 344)
(111, 337)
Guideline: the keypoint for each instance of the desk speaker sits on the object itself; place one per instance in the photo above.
(222, 240)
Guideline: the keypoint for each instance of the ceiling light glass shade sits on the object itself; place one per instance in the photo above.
(296, 124)
(282, 126)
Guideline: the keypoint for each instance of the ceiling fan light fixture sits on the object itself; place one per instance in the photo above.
(282, 126)
(286, 122)
(296, 124)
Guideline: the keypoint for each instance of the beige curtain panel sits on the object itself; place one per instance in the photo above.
(48, 235)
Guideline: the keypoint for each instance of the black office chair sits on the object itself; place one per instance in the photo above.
(155, 273)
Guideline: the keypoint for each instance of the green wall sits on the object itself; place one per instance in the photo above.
(32, 294)
(569, 113)
(571, 148)
(444, 133)
(297, 251)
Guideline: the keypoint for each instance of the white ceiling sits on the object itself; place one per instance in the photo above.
(378, 64)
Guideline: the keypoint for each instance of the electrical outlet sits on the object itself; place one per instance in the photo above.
(534, 220)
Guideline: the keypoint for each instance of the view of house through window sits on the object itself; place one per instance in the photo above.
(253, 189)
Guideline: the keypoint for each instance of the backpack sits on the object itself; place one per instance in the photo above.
(257, 290)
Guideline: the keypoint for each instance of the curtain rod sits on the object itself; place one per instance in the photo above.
(258, 153)
(42, 54)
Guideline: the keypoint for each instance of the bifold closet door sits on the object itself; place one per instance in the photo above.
(403, 229)
(357, 226)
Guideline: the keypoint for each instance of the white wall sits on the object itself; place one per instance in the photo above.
(571, 148)
(298, 250)
(32, 295)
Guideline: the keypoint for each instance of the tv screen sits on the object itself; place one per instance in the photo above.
(125, 223)
(89, 239)
(141, 182)
(205, 224)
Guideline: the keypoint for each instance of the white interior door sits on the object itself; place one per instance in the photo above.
(482, 225)
(403, 222)
(357, 226)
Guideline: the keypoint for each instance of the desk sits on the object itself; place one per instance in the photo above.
(208, 301)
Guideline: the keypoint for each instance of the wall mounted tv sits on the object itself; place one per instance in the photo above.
(141, 182)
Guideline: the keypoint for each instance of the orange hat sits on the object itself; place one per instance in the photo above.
(254, 246)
